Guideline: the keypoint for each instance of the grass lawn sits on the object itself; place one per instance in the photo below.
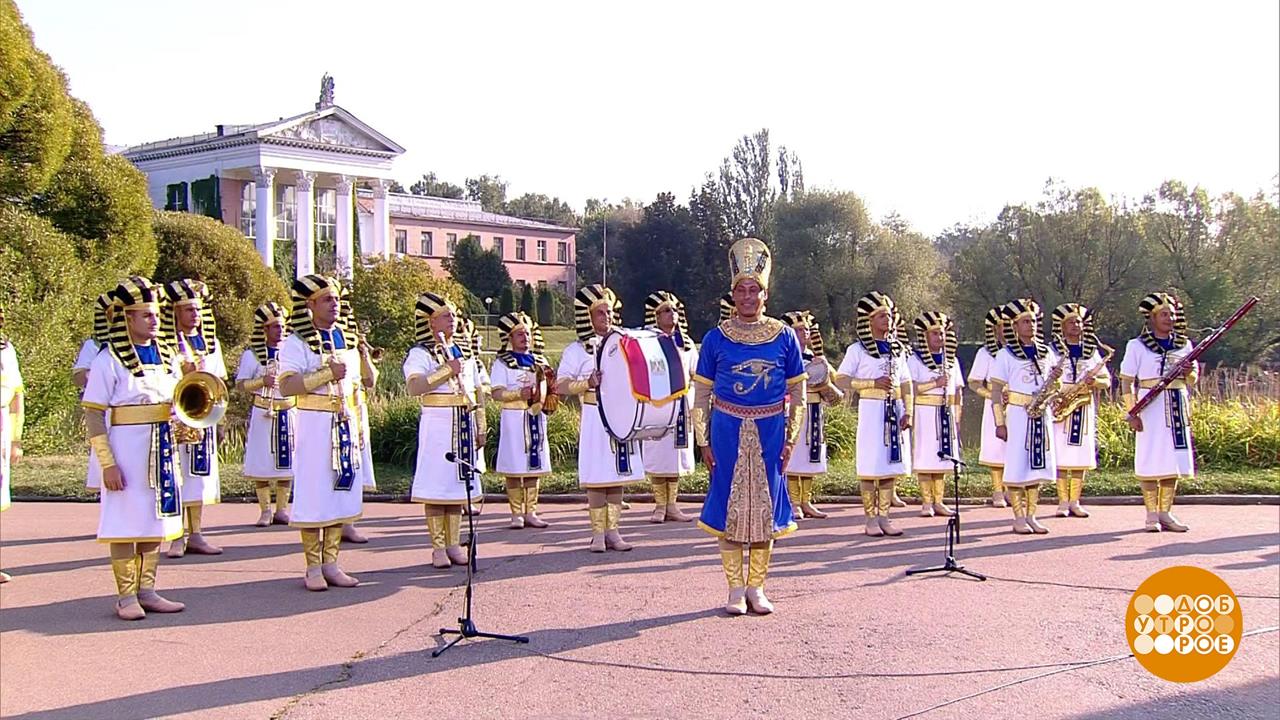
(63, 476)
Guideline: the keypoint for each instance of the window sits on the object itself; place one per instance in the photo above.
(519, 248)
(326, 215)
(248, 209)
(563, 286)
(542, 251)
(497, 247)
(450, 243)
(426, 248)
(286, 213)
(402, 242)
(176, 197)
(562, 252)
(542, 285)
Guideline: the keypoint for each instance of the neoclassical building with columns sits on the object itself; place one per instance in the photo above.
(317, 180)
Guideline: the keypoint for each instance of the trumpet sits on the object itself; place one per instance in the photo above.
(328, 355)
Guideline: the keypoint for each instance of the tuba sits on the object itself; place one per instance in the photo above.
(199, 402)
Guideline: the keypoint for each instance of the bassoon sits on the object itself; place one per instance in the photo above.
(1177, 370)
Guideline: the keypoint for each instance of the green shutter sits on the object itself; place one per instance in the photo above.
(206, 198)
(176, 197)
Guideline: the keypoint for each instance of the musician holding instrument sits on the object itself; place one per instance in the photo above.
(936, 381)
(991, 449)
(605, 466)
(268, 447)
(131, 388)
(669, 459)
(1075, 414)
(523, 383)
(12, 414)
(369, 357)
(1031, 372)
(186, 321)
(875, 367)
(470, 342)
(320, 367)
(1164, 453)
(80, 373)
(809, 461)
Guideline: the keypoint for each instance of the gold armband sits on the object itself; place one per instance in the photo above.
(908, 399)
(316, 379)
(997, 411)
(253, 384)
(102, 449)
(502, 394)
(997, 402)
(861, 384)
(440, 376)
(980, 387)
(795, 413)
(578, 387)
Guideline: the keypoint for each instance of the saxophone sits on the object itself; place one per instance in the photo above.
(1074, 397)
(1048, 392)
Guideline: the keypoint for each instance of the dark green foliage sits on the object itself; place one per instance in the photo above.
(526, 299)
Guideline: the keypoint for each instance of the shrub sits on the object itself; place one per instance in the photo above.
(1226, 434)
(383, 294)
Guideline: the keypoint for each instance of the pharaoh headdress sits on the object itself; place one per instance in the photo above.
(428, 306)
(931, 320)
(1011, 313)
(663, 299)
(101, 331)
(507, 324)
(1088, 334)
(805, 319)
(186, 292)
(726, 306)
(305, 288)
(586, 300)
(266, 314)
(1149, 306)
(870, 305)
(131, 294)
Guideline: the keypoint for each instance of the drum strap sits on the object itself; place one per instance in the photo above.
(682, 424)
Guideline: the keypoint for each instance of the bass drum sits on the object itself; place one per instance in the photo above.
(641, 378)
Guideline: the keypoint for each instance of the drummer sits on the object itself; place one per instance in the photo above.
(604, 466)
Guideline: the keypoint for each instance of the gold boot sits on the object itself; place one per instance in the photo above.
(806, 499)
(926, 494)
(886, 494)
(871, 508)
(732, 562)
(1077, 487)
(516, 498)
(196, 543)
(612, 538)
(453, 530)
(313, 551)
(531, 518)
(599, 524)
(659, 500)
(1151, 501)
(1018, 500)
(998, 492)
(1033, 500)
(282, 503)
(329, 568)
(673, 507)
(148, 598)
(796, 493)
(940, 496)
(1063, 484)
(438, 528)
(1168, 488)
(263, 490)
(756, 572)
(125, 570)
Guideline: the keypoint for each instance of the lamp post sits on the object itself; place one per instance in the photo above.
(488, 310)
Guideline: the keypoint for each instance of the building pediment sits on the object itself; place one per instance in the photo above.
(331, 127)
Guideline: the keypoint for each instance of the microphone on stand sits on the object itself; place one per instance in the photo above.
(948, 458)
(453, 458)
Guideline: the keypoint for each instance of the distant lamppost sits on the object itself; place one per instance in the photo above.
(488, 310)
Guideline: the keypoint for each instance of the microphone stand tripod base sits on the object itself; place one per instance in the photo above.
(953, 538)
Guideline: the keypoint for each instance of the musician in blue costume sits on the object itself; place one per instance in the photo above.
(747, 431)
(131, 386)
(1163, 453)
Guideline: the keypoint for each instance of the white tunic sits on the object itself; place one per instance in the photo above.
(802, 462)
(260, 462)
(925, 437)
(600, 464)
(1156, 457)
(1020, 377)
(315, 501)
(991, 450)
(1084, 454)
(437, 481)
(514, 431)
(131, 514)
(89, 351)
(202, 488)
(483, 381)
(365, 471)
(662, 457)
(873, 452)
(10, 384)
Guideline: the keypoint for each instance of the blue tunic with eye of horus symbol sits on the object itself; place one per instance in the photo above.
(749, 368)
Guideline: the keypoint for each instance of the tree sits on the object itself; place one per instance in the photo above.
(602, 220)
(480, 271)
(490, 190)
(655, 255)
(383, 294)
(431, 186)
(746, 193)
(526, 299)
(546, 306)
(507, 301)
(543, 209)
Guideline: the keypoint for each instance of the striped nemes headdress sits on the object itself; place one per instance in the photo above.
(305, 288)
(726, 307)
(134, 293)
(101, 329)
(465, 337)
(804, 319)
(429, 305)
(932, 320)
(662, 299)
(1012, 311)
(185, 292)
(1088, 334)
(992, 329)
(586, 300)
(266, 314)
(750, 258)
(1153, 303)
(870, 305)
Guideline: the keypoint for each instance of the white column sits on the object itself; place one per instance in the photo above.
(345, 257)
(305, 198)
(381, 220)
(264, 221)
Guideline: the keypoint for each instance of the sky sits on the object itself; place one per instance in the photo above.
(942, 112)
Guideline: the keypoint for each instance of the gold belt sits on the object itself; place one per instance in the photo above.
(812, 397)
(1019, 399)
(274, 404)
(935, 400)
(748, 412)
(444, 400)
(141, 414)
(515, 405)
(1175, 385)
(589, 398)
(873, 394)
(324, 403)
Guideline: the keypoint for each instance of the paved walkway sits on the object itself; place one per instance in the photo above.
(636, 634)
